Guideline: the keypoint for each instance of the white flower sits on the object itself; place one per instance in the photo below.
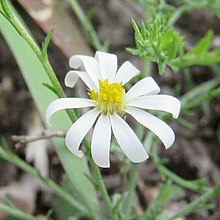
(110, 102)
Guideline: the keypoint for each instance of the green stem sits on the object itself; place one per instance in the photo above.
(198, 203)
(131, 190)
(180, 181)
(167, 191)
(99, 183)
(94, 40)
(14, 159)
(44, 60)
(157, 53)
(13, 211)
(197, 186)
(25, 35)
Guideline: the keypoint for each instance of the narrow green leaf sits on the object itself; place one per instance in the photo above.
(167, 191)
(199, 55)
(199, 203)
(50, 87)
(16, 213)
(132, 51)
(194, 96)
(117, 199)
(46, 43)
(10, 156)
(143, 30)
(138, 35)
(5, 8)
(203, 45)
(162, 68)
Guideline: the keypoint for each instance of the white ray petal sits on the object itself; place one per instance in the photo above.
(158, 102)
(127, 140)
(90, 64)
(72, 77)
(66, 103)
(157, 126)
(101, 138)
(79, 130)
(126, 72)
(146, 86)
(108, 64)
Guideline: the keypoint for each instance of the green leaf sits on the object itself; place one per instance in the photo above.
(117, 200)
(199, 203)
(46, 42)
(50, 87)
(16, 213)
(156, 43)
(161, 67)
(5, 8)
(7, 154)
(203, 45)
(35, 75)
(201, 92)
(138, 35)
(167, 191)
(143, 30)
(119, 204)
(199, 55)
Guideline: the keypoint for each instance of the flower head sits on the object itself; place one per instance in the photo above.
(109, 102)
(109, 98)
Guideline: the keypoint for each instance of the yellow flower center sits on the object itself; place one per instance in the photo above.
(109, 98)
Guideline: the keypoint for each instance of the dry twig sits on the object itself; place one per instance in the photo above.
(21, 140)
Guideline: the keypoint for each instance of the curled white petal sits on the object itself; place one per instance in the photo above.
(71, 79)
(146, 86)
(100, 146)
(126, 72)
(90, 64)
(73, 76)
(157, 126)
(108, 64)
(127, 140)
(158, 102)
(79, 130)
(66, 103)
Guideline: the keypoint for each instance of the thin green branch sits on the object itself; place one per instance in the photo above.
(198, 203)
(40, 54)
(100, 186)
(45, 62)
(156, 207)
(8, 155)
(197, 186)
(132, 180)
(131, 191)
(15, 212)
(93, 37)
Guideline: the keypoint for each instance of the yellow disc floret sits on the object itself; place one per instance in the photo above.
(109, 98)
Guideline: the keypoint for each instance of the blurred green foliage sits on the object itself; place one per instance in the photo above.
(157, 43)
(199, 54)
